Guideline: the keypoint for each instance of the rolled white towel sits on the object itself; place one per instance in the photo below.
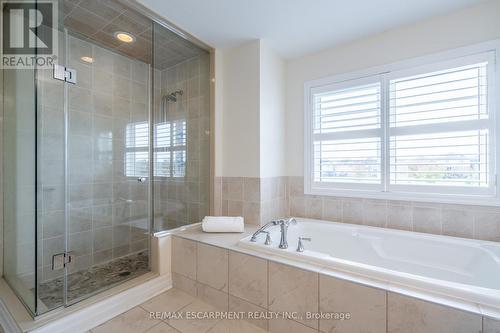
(223, 224)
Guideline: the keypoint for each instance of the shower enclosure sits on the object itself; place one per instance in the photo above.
(92, 168)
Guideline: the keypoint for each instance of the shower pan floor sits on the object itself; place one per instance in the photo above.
(96, 278)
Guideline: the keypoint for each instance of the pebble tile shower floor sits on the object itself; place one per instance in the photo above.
(95, 278)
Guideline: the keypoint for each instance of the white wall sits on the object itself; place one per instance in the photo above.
(250, 111)
(240, 116)
(272, 113)
(468, 26)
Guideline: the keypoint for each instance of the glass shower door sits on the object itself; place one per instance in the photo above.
(94, 173)
(108, 168)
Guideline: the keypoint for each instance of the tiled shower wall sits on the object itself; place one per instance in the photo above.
(108, 209)
(184, 199)
(259, 202)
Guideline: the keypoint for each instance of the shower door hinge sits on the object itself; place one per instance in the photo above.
(64, 74)
(61, 260)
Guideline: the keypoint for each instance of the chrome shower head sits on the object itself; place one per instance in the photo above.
(172, 97)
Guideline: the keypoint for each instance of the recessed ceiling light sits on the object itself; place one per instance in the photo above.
(87, 59)
(124, 37)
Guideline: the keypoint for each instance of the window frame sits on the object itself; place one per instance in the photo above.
(488, 51)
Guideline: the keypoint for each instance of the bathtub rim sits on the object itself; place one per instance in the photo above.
(423, 291)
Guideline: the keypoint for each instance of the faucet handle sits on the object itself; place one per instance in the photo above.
(300, 246)
(268, 239)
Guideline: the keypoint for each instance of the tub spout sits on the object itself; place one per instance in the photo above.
(262, 230)
(284, 223)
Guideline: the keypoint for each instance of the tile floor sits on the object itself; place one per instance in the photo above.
(137, 320)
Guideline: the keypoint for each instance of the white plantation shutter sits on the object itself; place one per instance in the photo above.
(169, 149)
(136, 144)
(347, 134)
(439, 130)
(427, 130)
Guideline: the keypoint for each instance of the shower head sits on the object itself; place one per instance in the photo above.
(172, 97)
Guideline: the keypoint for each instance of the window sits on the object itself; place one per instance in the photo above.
(169, 149)
(136, 155)
(425, 131)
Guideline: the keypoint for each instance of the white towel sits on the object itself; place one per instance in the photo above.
(223, 224)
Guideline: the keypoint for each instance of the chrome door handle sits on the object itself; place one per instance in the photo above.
(141, 179)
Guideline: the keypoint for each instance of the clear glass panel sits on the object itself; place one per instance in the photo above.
(19, 155)
(181, 130)
(33, 189)
(108, 165)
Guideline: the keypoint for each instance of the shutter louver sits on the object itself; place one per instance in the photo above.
(439, 132)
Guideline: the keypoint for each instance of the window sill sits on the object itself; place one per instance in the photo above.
(476, 200)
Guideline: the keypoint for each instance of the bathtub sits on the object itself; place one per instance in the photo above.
(460, 269)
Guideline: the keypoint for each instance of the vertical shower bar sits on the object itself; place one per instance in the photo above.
(66, 174)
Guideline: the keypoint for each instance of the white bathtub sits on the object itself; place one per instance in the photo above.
(463, 269)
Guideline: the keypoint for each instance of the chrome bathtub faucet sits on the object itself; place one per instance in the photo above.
(262, 230)
(284, 223)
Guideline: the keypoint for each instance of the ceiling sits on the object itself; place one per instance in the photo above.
(98, 20)
(296, 27)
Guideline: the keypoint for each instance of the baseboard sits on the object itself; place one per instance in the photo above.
(7, 322)
(95, 314)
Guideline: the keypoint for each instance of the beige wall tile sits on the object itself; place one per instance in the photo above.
(427, 219)
(184, 283)
(212, 296)
(212, 263)
(367, 306)
(184, 257)
(251, 213)
(375, 214)
(292, 289)
(399, 217)
(491, 325)
(487, 226)
(458, 223)
(232, 188)
(332, 210)
(239, 305)
(352, 211)
(234, 208)
(251, 190)
(297, 206)
(296, 186)
(406, 314)
(248, 278)
(314, 207)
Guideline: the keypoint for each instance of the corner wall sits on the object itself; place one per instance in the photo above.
(251, 116)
